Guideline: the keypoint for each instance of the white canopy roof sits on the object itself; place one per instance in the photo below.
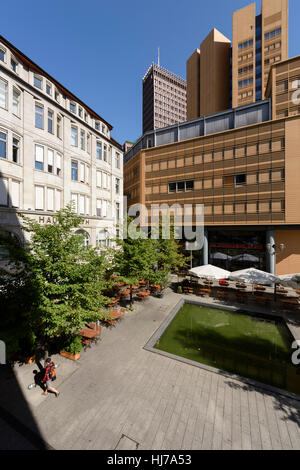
(209, 271)
(255, 276)
(221, 256)
(292, 280)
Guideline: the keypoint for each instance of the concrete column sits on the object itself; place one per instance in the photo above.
(271, 255)
(205, 247)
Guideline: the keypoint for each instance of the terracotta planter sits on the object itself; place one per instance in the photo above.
(68, 355)
(29, 360)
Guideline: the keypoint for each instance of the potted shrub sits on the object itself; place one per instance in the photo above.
(72, 349)
(179, 289)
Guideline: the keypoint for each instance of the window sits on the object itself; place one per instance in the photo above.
(50, 121)
(105, 153)
(74, 171)
(80, 112)
(38, 82)
(2, 54)
(97, 125)
(39, 116)
(58, 164)
(3, 144)
(104, 180)
(117, 210)
(82, 172)
(72, 107)
(74, 199)
(273, 33)
(39, 158)
(56, 95)
(57, 200)
(13, 65)
(118, 160)
(16, 150)
(172, 187)
(87, 205)
(15, 193)
(103, 128)
(74, 136)
(246, 44)
(3, 94)
(102, 238)
(98, 207)
(58, 126)
(3, 192)
(117, 186)
(48, 89)
(16, 102)
(50, 161)
(50, 199)
(181, 186)
(189, 185)
(82, 140)
(98, 179)
(99, 151)
(245, 82)
(85, 237)
(81, 204)
(240, 179)
(39, 198)
(88, 143)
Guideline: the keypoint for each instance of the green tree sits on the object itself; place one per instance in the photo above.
(135, 258)
(67, 278)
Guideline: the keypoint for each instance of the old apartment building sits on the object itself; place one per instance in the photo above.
(54, 149)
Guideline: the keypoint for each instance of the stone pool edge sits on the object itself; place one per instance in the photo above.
(149, 346)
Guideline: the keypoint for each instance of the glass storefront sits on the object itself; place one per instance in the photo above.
(235, 250)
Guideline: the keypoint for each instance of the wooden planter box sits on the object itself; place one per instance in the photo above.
(68, 355)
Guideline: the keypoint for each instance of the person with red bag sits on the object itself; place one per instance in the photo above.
(50, 375)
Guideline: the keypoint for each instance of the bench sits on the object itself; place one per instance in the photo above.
(204, 291)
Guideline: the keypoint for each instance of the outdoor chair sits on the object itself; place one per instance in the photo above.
(87, 343)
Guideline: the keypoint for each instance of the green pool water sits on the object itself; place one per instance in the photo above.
(248, 346)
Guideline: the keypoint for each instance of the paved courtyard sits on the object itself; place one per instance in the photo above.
(120, 396)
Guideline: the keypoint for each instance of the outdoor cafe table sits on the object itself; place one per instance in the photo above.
(88, 333)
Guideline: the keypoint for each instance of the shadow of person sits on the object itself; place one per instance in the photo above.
(38, 377)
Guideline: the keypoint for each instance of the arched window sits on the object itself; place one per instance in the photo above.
(86, 237)
(102, 238)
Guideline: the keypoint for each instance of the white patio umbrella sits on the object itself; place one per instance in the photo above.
(290, 280)
(255, 276)
(246, 257)
(209, 271)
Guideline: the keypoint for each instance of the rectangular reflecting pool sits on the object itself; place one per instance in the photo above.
(254, 347)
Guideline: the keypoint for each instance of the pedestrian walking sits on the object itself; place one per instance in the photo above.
(50, 375)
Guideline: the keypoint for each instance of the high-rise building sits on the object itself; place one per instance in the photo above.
(193, 86)
(164, 98)
(232, 75)
(54, 149)
(257, 43)
(208, 76)
(241, 164)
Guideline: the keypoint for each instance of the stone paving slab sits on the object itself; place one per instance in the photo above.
(119, 394)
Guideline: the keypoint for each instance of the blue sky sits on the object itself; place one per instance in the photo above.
(100, 50)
